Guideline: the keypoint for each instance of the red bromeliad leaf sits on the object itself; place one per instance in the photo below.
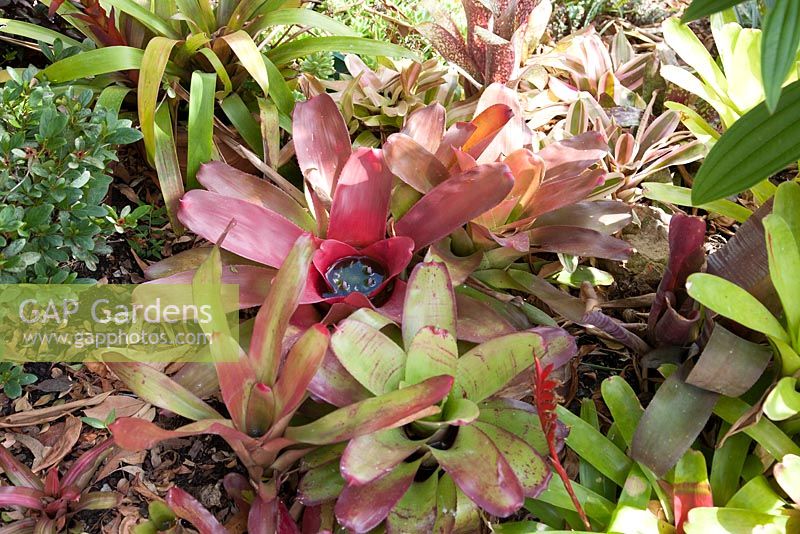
(21, 496)
(258, 234)
(273, 317)
(481, 471)
(604, 216)
(188, 508)
(413, 163)
(270, 517)
(391, 410)
(236, 380)
(554, 194)
(321, 142)
(478, 17)
(334, 385)
(300, 366)
(228, 181)
(137, 434)
(426, 127)
(579, 242)
(466, 196)
(371, 456)
(361, 199)
(571, 157)
(362, 508)
(454, 138)
(54, 5)
(501, 57)
(18, 473)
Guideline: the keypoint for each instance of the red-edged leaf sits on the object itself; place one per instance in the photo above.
(334, 385)
(554, 194)
(188, 508)
(362, 508)
(515, 134)
(361, 199)
(466, 196)
(481, 471)
(24, 497)
(258, 234)
(302, 362)
(426, 127)
(371, 456)
(18, 473)
(413, 163)
(254, 282)
(321, 142)
(236, 380)
(228, 181)
(429, 301)
(84, 468)
(273, 317)
(378, 413)
(137, 434)
(691, 488)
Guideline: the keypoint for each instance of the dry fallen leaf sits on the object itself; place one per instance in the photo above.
(58, 442)
(51, 413)
(121, 405)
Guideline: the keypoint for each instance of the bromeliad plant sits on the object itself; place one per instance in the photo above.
(263, 389)
(381, 100)
(499, 37)
(54, 500)
(479, 444)
(543, 211)
(359, 261)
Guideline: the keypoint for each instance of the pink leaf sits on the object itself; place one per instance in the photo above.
(187, 507)
(321, 142)
(361, 199)
(571, 157)
(259, 234)
(454, 202)
(426, 126)
(413, 163)
(21, 496)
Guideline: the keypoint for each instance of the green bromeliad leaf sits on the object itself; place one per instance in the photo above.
(779, 49)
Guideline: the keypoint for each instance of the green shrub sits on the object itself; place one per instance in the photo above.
(54, 156)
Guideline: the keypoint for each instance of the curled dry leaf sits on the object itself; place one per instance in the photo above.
(51, 413)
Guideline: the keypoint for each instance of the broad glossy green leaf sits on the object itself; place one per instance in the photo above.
(432, 352)
(784, 269)
(787, 475)
(484, 370)
(219, 68)
(95, 62)
(33, 31)
(597, 507)
(733, 302)
(595, 448)
(769, 436)
(297, 48)
(757, 146)
(787, 206)
(635, 494)
(153, 65)
(703, 8)
(629, 520)
(373, 359)
(301, 17)
(588, 475)
(781, 38)
(429, 301)
(727, 464)
(783, 401)
(201, 125)
(661, 439)
(152, 21)
(279, 90)
(168, 168)
(378, 413)
(757, 495)
(682, 196)
(707, 520)
(241, 118)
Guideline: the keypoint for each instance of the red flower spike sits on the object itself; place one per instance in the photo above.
(544, 395)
